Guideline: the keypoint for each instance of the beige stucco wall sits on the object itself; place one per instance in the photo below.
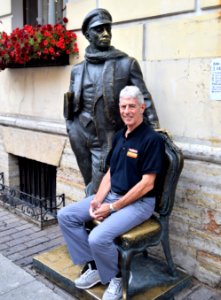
(181, 92)
(5, 9)
(126, 10)
(175, 43)
(210, 3)
(5, 24)
(5, 16)
(175, 57)
(34, 92)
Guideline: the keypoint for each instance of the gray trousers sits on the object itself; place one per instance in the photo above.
(99, 244)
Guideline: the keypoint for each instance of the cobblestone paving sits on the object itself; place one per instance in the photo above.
(20, 240)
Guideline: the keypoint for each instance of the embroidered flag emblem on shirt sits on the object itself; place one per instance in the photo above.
(132, 153)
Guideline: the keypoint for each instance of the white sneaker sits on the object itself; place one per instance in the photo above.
(114, 290)
(87, 279)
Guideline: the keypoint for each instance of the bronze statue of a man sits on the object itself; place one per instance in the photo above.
(95, 86)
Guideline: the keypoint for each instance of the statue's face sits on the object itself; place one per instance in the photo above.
(100, 36)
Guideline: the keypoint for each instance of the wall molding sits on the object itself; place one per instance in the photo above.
(35, 124)
(193, 150)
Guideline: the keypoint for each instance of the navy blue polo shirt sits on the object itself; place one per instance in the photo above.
(142, 152)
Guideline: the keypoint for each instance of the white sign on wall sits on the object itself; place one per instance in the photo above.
(215, 84)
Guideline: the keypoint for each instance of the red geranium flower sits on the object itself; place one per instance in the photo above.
(65, 20)
(46, 41)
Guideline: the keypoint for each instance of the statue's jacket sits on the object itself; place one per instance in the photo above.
(117, 73)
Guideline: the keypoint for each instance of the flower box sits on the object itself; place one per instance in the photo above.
(62, 60)
(39, 46)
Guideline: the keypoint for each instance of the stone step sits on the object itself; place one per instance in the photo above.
(150, 278)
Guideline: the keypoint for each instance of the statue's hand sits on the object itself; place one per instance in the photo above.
(68, 125)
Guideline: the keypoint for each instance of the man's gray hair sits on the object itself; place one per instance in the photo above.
(132, 91)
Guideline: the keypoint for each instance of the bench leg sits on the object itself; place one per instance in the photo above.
(166, 247)
(125, 270)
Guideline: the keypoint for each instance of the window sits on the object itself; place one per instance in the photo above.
(38, 180)
(43, 11)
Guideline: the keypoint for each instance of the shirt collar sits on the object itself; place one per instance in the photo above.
(134, 132)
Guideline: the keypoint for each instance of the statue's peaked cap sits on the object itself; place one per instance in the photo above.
(96, 17)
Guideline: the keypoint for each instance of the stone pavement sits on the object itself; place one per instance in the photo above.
(20, 240)
(17, 284)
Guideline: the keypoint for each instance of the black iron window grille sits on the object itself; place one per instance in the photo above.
(41, 211)
(38, 180)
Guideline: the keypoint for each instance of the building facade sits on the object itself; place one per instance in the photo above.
(177, 43)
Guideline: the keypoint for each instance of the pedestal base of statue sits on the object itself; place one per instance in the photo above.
(150, 277)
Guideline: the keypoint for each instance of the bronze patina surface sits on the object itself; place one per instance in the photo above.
(150, 277)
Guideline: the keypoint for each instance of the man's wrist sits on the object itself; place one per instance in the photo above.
(112, 209)
(96, 203)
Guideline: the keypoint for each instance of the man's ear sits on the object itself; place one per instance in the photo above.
(142, 107)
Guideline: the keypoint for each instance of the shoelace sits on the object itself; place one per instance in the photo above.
(85, 274)
(115, 286)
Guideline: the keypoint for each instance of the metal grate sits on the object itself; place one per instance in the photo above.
(38, 180)
(42, 211)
